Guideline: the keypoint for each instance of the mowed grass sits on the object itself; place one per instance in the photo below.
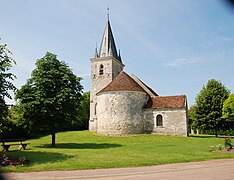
(84, 150)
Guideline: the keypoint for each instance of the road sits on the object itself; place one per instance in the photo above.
(207, 170)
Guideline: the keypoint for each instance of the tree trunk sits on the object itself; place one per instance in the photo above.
(53, 140)
(216, 131)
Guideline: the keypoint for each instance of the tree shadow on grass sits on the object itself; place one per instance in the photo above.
(81, 145)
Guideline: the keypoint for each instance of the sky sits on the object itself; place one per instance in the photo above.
(174, 46)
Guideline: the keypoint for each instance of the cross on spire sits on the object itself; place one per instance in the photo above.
(108, 12)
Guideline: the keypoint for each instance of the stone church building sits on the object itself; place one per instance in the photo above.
(121, 104)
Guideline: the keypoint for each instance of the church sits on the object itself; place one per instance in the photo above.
(122, 104)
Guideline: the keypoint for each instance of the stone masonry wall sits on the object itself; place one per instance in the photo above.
(148, 121)
(116, 68)
(120, 112)
(174, 121)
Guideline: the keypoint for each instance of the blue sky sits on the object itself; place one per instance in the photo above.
(174, 46)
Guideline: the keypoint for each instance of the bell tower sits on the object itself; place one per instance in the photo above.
(105, 66)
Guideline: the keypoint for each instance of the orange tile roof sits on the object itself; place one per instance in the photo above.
(123, 82)
(158, 102)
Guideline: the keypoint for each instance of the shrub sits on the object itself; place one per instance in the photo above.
(228, 143)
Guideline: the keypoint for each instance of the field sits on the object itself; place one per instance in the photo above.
(84, 150)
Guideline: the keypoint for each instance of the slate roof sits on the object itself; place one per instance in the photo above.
(108, 48)
(158, 102)
(123, 82)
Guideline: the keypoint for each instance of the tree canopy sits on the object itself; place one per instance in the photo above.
(6, 78)
(207, 114)
(50, 99)
(82, 121)
(228, 112)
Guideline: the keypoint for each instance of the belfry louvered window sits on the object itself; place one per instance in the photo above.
(101, 69)
(159, 120)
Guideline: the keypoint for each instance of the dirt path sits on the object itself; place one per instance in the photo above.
(214, 169)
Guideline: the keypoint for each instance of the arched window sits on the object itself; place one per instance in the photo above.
(95, 109)
(101, 69)
(159, 120)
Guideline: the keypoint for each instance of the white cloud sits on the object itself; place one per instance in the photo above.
(211, 40)
(180, 62)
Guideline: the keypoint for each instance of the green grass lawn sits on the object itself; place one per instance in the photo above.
(85, 150)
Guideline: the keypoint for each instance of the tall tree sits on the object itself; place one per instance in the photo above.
(208, 107)
(228, 112)
(50, 98)
(6, 78)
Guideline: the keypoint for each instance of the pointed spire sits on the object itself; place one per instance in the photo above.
(120, 59)
(110, 53)
(96, 52)
(108, 47)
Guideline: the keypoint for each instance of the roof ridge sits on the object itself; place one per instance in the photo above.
(123, 82)
(150, 91)
(172, 95)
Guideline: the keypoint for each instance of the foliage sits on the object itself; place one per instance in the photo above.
(191, 118)
(228, 112)
(10, 128)
(85, 150)
(219, 146)
(228, 143)
(82, 120)
(208, 108)
(50, 99)
(6, 79)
